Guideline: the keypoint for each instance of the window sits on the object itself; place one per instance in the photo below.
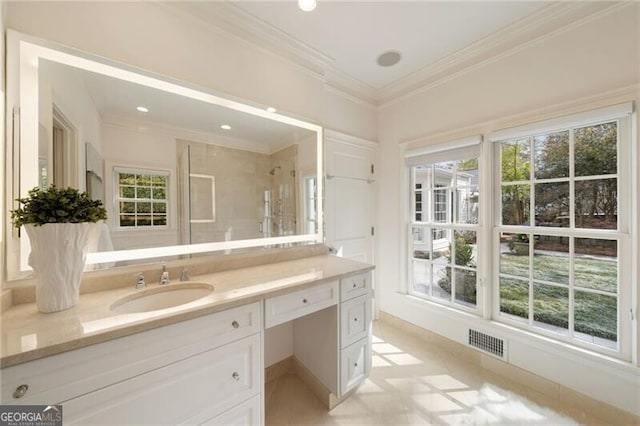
(443, 247)
(561, 224)
(558, 256)
(142, 197)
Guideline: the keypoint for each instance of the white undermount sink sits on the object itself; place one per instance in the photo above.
(162, 297)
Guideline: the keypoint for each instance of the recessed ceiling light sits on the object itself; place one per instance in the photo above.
(271, 109)
(389, 58)
(307, 5)
(225, 127)
(142, 109)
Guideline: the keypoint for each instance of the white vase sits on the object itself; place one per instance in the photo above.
(58, 255)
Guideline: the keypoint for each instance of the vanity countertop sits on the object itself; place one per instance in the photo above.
(28, 334)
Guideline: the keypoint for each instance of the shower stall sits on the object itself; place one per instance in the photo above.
(230, 194)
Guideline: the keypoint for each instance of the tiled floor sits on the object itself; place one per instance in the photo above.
(418, 383)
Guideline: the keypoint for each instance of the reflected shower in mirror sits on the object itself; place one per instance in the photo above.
(259, 192)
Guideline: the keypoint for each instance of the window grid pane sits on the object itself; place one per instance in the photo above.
(142, 199)
(561, 284)
(444, 256)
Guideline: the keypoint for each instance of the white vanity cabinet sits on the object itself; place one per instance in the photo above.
(334, 344)
(190, 372)
(205, 370)
(355, 330)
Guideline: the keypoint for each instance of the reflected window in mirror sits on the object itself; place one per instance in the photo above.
(311, 197)
(141, 197)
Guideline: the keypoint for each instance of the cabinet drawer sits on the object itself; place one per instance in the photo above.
(355, 363)
(66, 375)
(215, 379)
(355, 286)
(355, 320)
(281, 309)
(248, 413)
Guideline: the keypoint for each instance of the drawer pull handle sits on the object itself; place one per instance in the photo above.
(355, 285)
(235, 376)
(304, 300)
(20, 391)
(355, 319)
(355, 365)
(235, 324)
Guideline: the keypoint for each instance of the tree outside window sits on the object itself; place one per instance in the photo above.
(564, 282)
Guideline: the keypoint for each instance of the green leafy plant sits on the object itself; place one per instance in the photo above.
(57, 205)
(522, 240)
(466, 285)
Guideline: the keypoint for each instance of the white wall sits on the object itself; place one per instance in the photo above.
(350, 115)
(580, 67)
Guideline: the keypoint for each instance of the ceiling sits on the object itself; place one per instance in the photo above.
(117, 100)
(354, 33)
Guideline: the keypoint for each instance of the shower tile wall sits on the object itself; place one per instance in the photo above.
(241, 179)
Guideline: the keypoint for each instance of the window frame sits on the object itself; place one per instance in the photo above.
(625, 200)
(464, 149)
(117, 199)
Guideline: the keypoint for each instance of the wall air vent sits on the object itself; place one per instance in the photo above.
(489, 344)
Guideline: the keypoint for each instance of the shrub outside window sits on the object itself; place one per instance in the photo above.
(444, 233)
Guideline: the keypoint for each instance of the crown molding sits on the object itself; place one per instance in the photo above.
(547, 22)
(350, 88)
(227, 19)
(335, 135)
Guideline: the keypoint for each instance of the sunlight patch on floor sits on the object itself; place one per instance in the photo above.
(411, 387)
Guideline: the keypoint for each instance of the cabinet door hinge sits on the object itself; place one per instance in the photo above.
(632, 314)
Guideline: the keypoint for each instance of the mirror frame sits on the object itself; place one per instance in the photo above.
(23, 55)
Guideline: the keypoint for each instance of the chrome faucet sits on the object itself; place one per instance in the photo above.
(140, 284)
(164, 278)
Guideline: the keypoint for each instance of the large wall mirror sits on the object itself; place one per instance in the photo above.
(181, 171)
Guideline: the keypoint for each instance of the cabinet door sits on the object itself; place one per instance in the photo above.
(214, 380)
(350, 191)
(355, 363)
(355, 320)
